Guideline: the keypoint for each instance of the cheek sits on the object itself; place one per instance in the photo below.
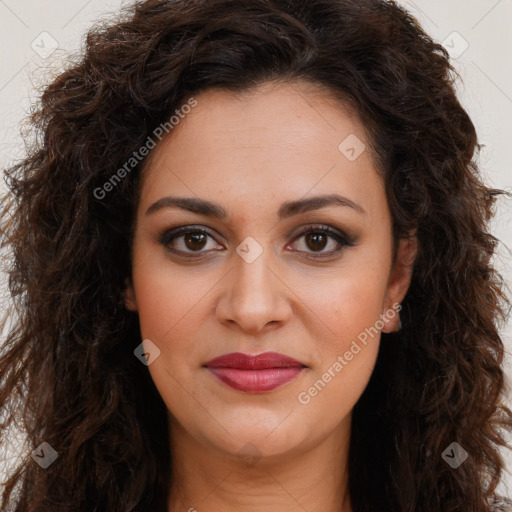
(169, 309)
(350, 306)
(332, 391)
(343, 360)
(168, 298)
(350, 301)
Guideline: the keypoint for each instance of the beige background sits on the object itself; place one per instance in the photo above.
(478, 34)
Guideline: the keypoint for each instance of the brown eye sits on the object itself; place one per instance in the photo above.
(316, 241)
(195, 241)
(187, 241)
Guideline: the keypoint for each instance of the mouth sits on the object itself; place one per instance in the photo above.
(255, 374)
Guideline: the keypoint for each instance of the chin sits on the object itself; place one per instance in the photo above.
(248, 440)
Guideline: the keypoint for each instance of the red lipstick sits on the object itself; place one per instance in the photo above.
(255, 374)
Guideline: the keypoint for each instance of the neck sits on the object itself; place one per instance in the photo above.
(205, 479)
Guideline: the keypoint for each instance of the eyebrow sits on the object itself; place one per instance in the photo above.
(287, 209)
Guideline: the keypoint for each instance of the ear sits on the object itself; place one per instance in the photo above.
(130, 301)
(399, 281)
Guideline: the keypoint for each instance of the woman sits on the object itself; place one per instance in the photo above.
(252, 271)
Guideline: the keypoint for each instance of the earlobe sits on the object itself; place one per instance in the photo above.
(399, 281)
(129, 296)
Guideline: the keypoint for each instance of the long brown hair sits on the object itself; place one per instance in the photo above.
(68, 372)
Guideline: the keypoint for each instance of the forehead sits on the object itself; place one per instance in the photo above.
(281, 139)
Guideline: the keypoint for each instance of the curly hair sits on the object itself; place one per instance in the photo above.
(68, 372)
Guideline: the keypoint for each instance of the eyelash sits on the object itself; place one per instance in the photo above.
(344, 240)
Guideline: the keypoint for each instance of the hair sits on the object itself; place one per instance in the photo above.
(68, 373)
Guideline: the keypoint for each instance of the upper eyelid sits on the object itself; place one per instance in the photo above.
(298, 230)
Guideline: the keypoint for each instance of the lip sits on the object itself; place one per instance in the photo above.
(255, 374)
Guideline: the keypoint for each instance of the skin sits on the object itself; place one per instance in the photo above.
(250, 153)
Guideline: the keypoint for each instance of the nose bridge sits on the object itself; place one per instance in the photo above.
(252, 279)
(255, 297)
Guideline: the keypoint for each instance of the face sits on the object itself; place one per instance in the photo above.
(243, 277)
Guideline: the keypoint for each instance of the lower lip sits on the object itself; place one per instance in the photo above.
(256, 381)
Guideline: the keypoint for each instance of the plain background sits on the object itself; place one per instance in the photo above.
(37, 37)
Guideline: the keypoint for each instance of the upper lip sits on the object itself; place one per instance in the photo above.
(263, 361)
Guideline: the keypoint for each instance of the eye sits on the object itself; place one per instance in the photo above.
(317, 238)
(186, 239)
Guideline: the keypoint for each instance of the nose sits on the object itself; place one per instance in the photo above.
(255, 298)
